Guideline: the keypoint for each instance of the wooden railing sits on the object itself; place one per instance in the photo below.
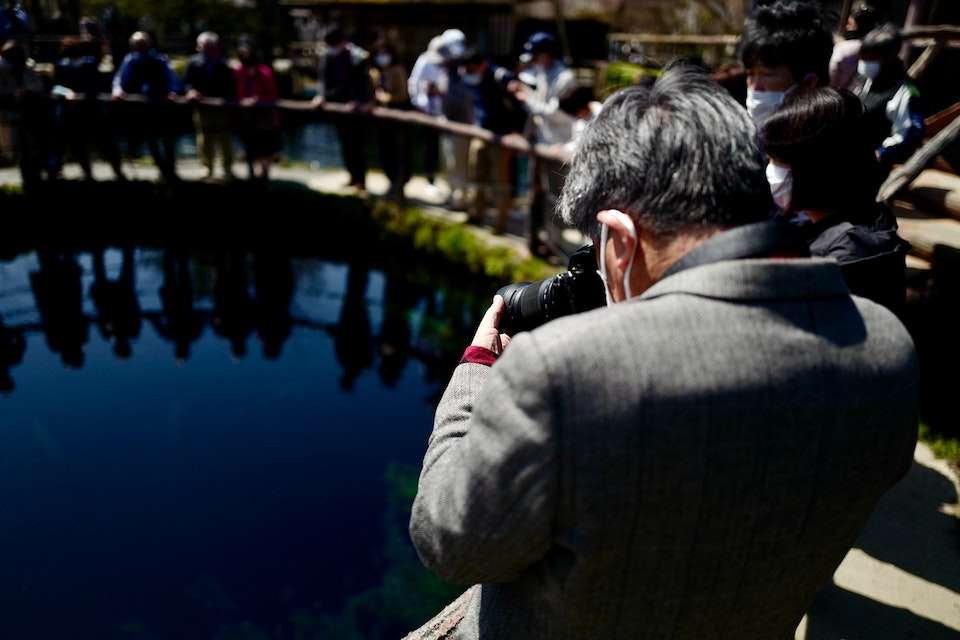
(512, 142)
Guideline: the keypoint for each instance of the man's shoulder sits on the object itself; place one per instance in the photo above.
(689, 319)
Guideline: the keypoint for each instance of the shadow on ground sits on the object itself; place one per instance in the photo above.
(911, 532)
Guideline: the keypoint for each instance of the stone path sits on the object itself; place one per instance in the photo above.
(902, 580)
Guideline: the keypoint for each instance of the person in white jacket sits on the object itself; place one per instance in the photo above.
(554, 81)
(428, 84)
(549, 124)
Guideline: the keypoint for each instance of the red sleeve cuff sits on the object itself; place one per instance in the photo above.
(478, 355)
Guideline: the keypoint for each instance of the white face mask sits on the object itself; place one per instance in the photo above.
(762, 104)
(604, 235)
(383, 60)
(781, 185)
(472, 79)
(868, 69)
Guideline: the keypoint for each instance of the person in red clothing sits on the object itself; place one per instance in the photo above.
(260, 122)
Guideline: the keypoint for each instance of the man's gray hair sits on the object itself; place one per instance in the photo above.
(678, 155)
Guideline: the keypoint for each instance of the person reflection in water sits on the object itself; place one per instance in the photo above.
(12, 347)
(399, 297)
(59, 296)
(274, 284)
(232, 304)
(352, 335)
(179, 322)
(118, 310)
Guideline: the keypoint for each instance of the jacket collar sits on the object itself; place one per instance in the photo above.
(756, 279)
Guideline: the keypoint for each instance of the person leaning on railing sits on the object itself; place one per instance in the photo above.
(209, 76)
(259, 120)
(345, 78)
(146, 73)
(496, 110)
(894, 106)
(390, 90)
(25, 117)
(553, 82)
(83, 120)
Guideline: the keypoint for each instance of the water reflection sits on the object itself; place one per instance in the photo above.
(118, 309)
(59, 298)
(201, 443)
(237, 311)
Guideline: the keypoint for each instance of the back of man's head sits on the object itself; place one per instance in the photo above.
(793, 33)
(679, 156)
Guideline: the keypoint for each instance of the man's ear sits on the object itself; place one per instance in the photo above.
(623, 231)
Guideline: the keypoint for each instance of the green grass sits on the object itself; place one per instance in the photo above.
(943, 447)
(626, 74)
(459, 244)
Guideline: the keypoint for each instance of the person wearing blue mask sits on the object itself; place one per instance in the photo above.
(786, 45)
(895, 114)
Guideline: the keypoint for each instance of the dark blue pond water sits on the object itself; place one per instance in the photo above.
(215, 445)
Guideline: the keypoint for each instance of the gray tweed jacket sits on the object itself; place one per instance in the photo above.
(692, 464)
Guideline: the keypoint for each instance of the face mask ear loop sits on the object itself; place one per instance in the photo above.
(627, 222)
(604, 235)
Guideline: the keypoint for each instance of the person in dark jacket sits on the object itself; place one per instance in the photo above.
(83, 118)
(824, 176)
(146, 72)
(209, 76)
(495, 108)
(894, 108)
(390, 79)
(14, 22)
(345, 78)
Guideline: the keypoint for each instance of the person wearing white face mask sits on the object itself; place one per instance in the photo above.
(493, 109)
(578, 474)
(345, 78)
(786, 45)
(894, 108)
(390, 90)
(824, 178)
(846, 53)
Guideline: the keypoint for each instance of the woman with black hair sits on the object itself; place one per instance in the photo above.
(824, 176)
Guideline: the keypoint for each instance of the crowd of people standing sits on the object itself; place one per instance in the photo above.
(41, 130)
(792, 59)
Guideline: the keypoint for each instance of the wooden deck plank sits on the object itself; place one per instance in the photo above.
(926, 233)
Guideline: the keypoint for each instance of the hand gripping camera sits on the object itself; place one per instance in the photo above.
(533, 304)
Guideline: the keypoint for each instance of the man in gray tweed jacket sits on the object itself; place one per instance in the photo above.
(693, 463)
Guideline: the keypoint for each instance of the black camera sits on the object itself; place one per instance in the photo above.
(532, 304)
